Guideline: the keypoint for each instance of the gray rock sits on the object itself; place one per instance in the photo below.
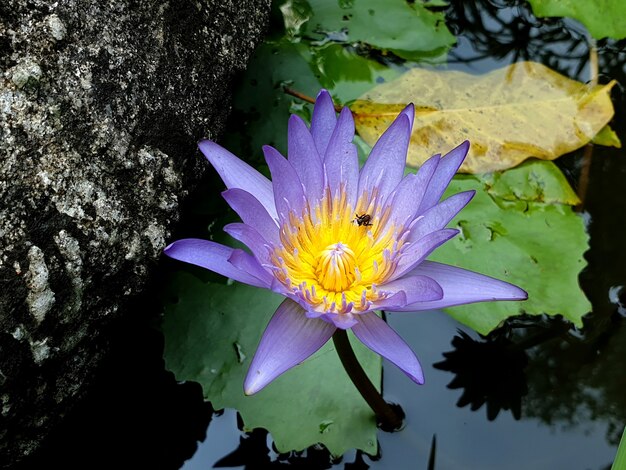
(101, 106)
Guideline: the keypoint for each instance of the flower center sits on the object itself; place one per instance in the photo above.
(336, 266)
(332, 262)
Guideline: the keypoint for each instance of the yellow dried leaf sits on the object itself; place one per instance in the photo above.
(521, 111)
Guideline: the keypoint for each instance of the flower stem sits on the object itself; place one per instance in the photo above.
(388, 418)
(303, 97)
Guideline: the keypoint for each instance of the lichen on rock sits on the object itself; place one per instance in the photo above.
(40, 297)
(101, 106)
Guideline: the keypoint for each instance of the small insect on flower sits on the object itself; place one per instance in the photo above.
(302, 245)
(363, 219)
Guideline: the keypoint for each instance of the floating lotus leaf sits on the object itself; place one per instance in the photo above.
(408, 29)
(521, 111)
(521, 228)
(211, 332)
(603, 18)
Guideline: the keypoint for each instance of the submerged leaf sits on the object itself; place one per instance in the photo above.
(211, 334)
(603, 18)
(520, 228)
(260, 106)
(295, 14)
(521, 111)
(407, 29)
(346, 73)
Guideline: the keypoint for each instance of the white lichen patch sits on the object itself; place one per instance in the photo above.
(146, 156)
(154, 233)
(18, 333)
(44, 177)
(6, 406)
(25, 72)
(107, 209)
(170, 177)
(56, 27)
(40, 298)
(70, 250)
(40, 350)
(6, 102)
(133, 247)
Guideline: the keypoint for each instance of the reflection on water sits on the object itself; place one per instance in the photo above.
(135, 415)
(226, 447)
(500, 32)
(490, 373)
(575, 382)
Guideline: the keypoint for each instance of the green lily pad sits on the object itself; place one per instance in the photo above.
(603, 18)
(620, 458)
(520, 228)
(211, 333)
(346, 74)
(408, 29)
(531, 181)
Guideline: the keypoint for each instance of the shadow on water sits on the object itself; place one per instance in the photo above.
(135, 414)
(553, 397)
(490, 373)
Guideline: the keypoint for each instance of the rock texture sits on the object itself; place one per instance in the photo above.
(101, 104)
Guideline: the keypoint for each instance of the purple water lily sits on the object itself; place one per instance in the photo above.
(339, 242)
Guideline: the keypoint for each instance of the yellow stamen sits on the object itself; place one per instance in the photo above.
(331, 261)
(335, 268)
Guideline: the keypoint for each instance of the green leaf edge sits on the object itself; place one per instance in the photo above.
(620, 458)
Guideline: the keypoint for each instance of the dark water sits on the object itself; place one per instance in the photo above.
(536, 395)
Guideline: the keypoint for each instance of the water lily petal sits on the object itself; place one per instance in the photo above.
(341, 161)
(289, 339)
(288, 189)
(385, 165)
(343, 321)
(248, 263)
(446, 169)
(407, 197)
(374, 333)
(419, 250)
(409, 110)
(438, 216)
(212, 256)
(461, 286)
(283, 290)
(302, 154)
(424, 176)
(323, 121)
(416, 288)
(396, 300)
(237, 174)
(252, 213)
(250, 237)
(403, 204)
